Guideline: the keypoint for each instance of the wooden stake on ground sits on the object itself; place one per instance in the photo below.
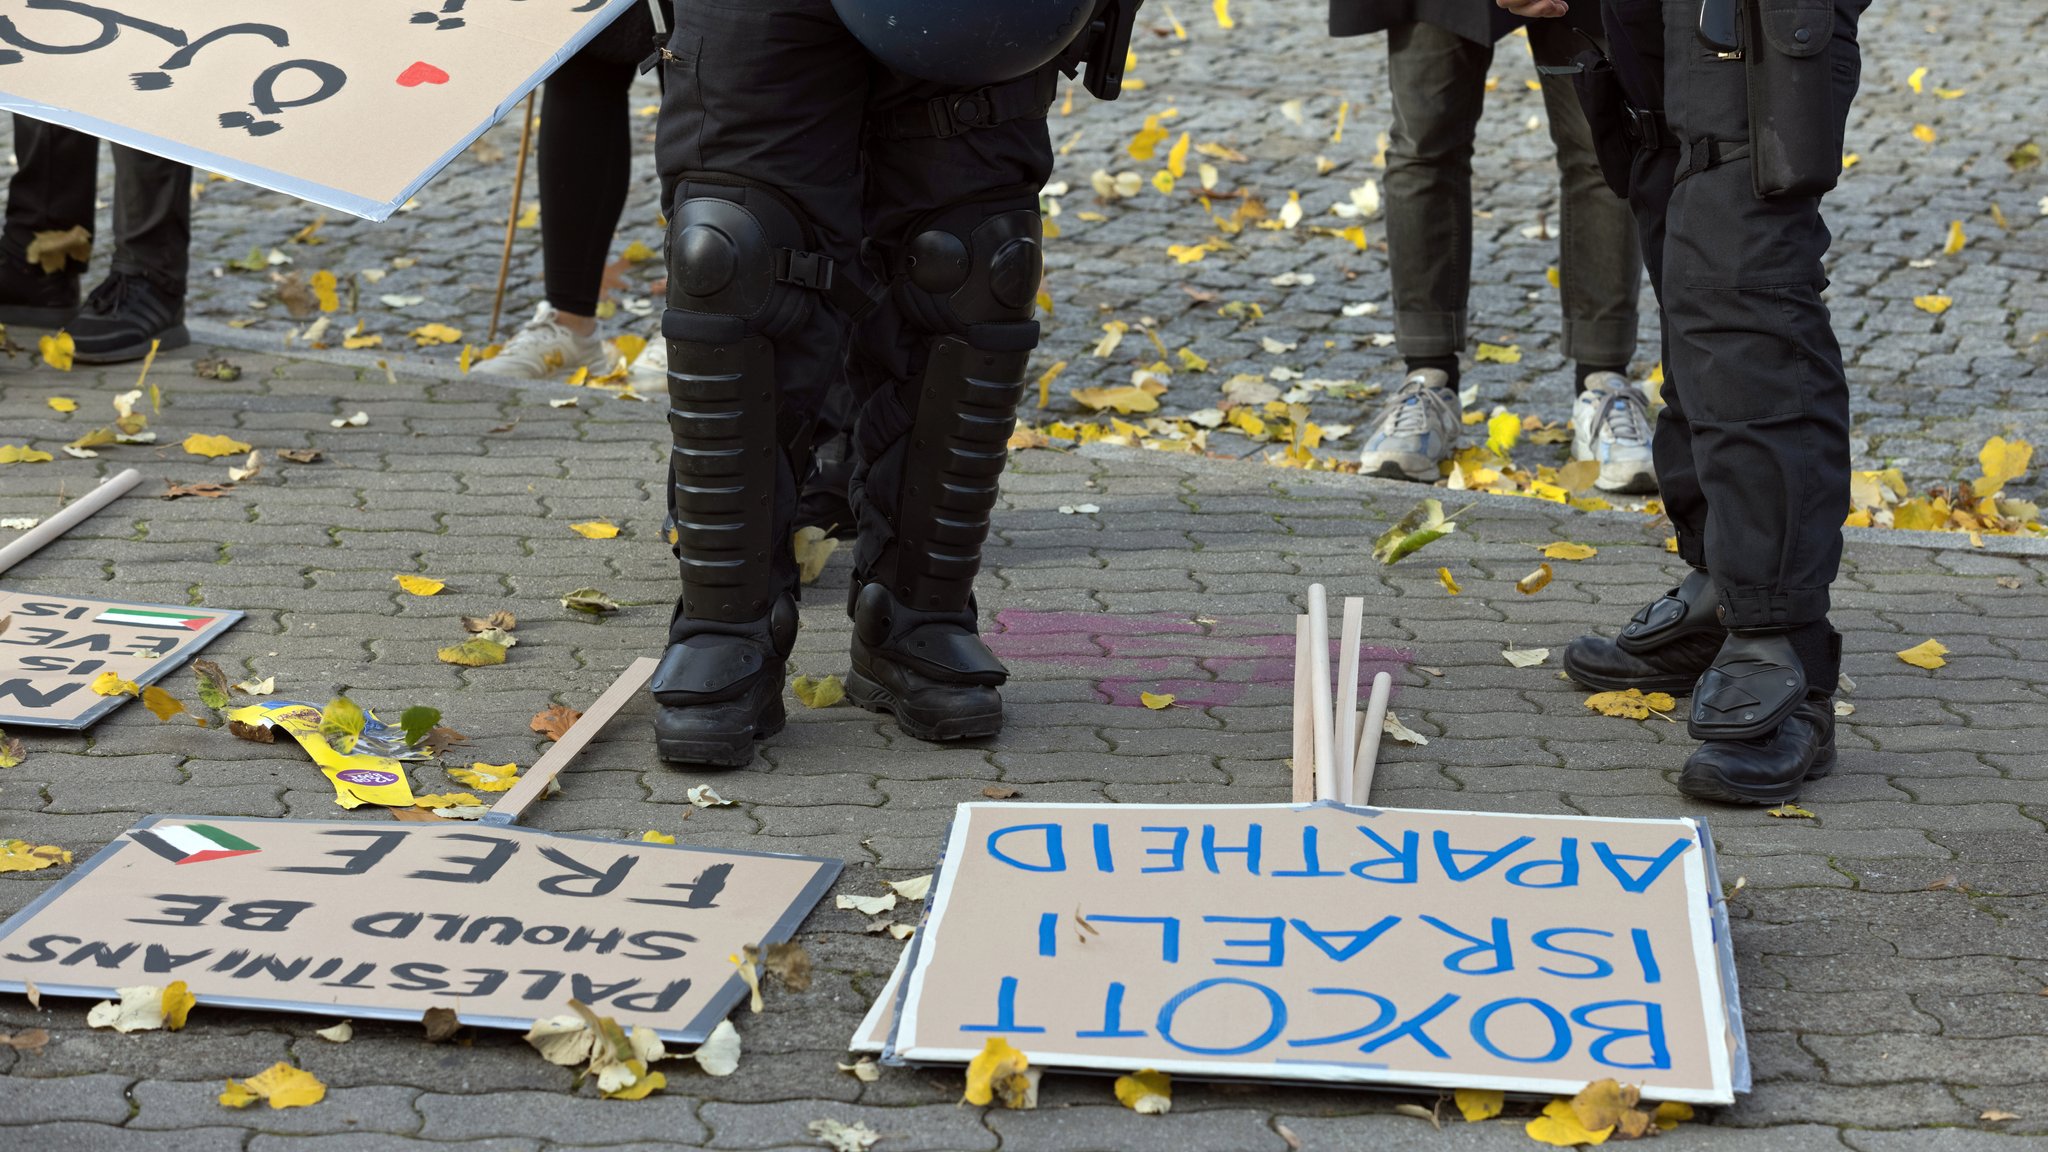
(1304, 724)
(25, 545)
(1345, 718)
(1319, 693)
(534, 784)
(1369, 738)
(512, 217)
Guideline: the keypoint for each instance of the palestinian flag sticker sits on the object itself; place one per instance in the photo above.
(156, 618)
(193, 843)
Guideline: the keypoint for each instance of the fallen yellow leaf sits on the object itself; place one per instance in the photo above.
(281, 1084)
(57, 350)
(1156, 700)
(1924, 134)
(1927, 654)
(473, 654)
(1934, 305)
(1790, 811)
(62, 403)
(998, 1071)
(1449, 582)
(652, 837)
(1560, 1127)
(486, 777)
(2003, 461)
(161, 703)
(595, 529)
(418, 585)
(1148, 1093)
(1956, 238)
(111, 684)
(1476, 1104)
(323, 284)
(1498, 354)
(178, 1002)
(1045, 381)
(1125, 399)
(1222, 10)
(429, 335)
(1502, 430)
(1535, 581)
(213, 447)
(818, 691)
(1633, 704)
(1566, 550)
(22, 856)
(22, 454)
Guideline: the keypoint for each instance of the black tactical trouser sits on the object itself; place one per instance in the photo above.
(54, 188)
(1752, 450)
(779, 94)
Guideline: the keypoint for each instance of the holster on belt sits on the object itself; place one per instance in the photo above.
(1795, 126)
(1608, 115)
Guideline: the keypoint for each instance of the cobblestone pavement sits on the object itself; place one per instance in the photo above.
(1893, 950)
(1928, 389)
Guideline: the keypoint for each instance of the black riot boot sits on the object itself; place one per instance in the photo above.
(930, 452)
(1664, 648)
(732, 490)
(1765, 711)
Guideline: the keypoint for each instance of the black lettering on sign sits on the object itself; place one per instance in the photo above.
(42, 948)
(264, 97)
(182, 58)
(197, 909)
(264, 915)
(22, 689)
(360, 860)
(157, 958)
(602, 882)
(481, 868)
(703, 891)
(110, 24)
(446, 19)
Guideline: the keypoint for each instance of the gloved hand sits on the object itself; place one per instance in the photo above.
(1535, 7)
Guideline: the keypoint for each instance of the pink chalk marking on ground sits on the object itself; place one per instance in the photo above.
(1089, 643)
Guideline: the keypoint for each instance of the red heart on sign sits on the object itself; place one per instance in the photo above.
(420, 73)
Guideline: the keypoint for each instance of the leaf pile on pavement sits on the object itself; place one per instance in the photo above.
(282, 1085)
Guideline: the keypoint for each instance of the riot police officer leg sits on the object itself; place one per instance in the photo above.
(931, 451)
(732, 488)
(1664, 648)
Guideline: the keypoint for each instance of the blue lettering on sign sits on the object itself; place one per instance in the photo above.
(1006, 1011)
(1048, 933)
(1654, 865)
(1311, 858)
(1276, 1017)
(1254, 834)
(1052, 845)
(1644, 956)
(1412, 1029)
(1560, 1031)
(1448, 856)
(1169, 932)
(1103, 861)
(1407, 856)
(1359, 940)
(1112, 1017)
(1601, 968)
(1652, 1033)
(1567, 865)
(1177, 853)
(1498, 946)
(1386, 1008)
(1274, 941)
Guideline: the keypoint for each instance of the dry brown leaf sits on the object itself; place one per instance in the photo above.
(789, 963)
(440, 1024)
(500, 619)
(29, 1040)
(300, 455)
(555, 722)
(207, 489)
(1000, 792)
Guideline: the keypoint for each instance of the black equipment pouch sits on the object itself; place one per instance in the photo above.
(1795, 126)
(1613, 123)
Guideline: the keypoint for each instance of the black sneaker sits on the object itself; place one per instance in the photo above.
(122, 316)
(929, 670)
(32, 297)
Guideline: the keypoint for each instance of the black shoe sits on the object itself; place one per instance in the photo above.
(1664, 648)
(32, 297)
(1767, 769)
(719, 691)
(123, 316)
(930, 670)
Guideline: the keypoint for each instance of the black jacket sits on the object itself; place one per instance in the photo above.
(1480, 21)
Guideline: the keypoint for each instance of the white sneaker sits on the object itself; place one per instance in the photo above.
(650, 368)
(1611, 423)
(543, 348)
(1416, 432)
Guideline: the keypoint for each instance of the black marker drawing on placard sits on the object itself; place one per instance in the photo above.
(444, 20)
(110, 25)
(265, 100)
(182, 58)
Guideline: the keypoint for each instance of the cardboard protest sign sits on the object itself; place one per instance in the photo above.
(873, 1033)
(346, 918)
(54, 647)
(368, 773)
(1351, 945)
(352, 105)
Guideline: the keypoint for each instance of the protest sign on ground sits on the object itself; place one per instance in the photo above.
(1360, 945)
(345, 918)
(353, 106)
(53, 648)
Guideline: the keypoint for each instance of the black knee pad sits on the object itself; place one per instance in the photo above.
(740, 256)
(973, 270)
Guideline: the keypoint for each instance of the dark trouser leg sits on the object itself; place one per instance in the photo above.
(940, 366)
(758, 148)
(825, 502)
(52, 191)
(152, 219)
(585, 162)
(1438, 84)
(1600, 267)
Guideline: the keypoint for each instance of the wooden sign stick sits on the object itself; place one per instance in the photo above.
(534, 784)
(1319, 692)
(512, 217)
(1369, 738)
(60, 522)
(1345, 717)
(1304, 726)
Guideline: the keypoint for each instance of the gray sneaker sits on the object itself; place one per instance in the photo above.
(1417, 432)
(1611, 424)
